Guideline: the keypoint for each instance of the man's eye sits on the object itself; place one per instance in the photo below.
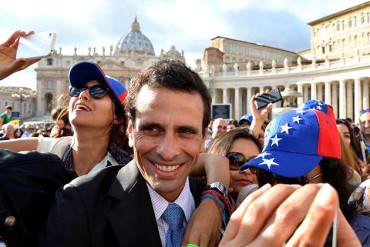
(152, 131)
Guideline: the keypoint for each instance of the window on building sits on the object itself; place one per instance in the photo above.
(362, 18)
(350, 22)
(354, 21)
(342, 25)
(323, 49)
(49, 85)
(338, 26)
(330, 48)
(49, 62)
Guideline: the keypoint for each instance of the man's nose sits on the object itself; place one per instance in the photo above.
(169, 147)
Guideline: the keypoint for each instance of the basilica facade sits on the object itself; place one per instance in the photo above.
(336, 68)
(132, 53)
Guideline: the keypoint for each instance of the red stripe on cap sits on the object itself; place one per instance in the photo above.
(122, 96)
(328, 144)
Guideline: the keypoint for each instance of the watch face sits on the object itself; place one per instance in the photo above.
(219, 186)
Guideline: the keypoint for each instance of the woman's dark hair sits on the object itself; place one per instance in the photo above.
(355, 142)
(233, 122)
(333, 172)
(118, 133)
(18, 130)
(223, 143)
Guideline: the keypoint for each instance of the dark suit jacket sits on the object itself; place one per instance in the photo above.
(112, 208)
(28, 182)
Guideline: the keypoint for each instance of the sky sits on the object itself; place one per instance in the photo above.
(187, 24)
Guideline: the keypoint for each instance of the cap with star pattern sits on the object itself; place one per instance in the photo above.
(296, 142)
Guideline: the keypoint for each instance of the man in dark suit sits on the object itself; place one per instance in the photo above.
(149, 201)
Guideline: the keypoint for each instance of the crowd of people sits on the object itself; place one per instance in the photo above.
(145, 165)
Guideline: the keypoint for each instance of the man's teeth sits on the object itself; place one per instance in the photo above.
(167, 168)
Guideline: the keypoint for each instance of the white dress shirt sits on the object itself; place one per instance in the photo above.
(185, 200)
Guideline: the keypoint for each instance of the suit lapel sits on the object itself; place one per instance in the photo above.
(132, 218)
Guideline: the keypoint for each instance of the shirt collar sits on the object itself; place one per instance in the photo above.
(102, 164)
(185, 200)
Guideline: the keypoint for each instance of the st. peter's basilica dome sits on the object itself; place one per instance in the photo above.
(135, 41)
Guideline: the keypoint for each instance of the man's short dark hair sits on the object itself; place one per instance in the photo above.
(8, 107)
(172, 75)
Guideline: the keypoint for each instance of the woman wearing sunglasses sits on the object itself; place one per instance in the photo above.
(303, 147)
(97, 119)
(239, 146)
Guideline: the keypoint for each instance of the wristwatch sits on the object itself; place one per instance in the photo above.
(219, 187)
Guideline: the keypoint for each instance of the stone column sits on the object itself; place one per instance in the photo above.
(319, 92)
(249, 96)
(213, 94)
(365, 94)
(59, 91)
(349, 100)
(224, 96)
(328, 92)
(300, 90)
(313, 90)
(237, 103)
(357, 99)
(305, 92)
(261, 90)
(334, 99)
(40, 95)
(342, 99)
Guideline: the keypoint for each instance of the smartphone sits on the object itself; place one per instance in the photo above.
(36, 45)
(267, 98)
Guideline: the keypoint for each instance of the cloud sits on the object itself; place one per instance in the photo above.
(189, 25)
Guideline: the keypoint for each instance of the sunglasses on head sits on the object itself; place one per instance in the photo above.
(236, 160)
(96, 91)
(264, 177)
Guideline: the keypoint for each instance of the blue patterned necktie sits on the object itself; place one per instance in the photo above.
(174, 217)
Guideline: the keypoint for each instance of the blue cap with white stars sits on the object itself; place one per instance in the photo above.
(295, 143)
(318, 105)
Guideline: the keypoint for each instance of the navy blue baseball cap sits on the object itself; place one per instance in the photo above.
(85, 71)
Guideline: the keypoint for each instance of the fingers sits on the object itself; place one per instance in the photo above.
(22, 63)
(346, 235)
(289, 214)
(236, 218)
(261, 209)
(9, 221)
(13, 38)
(314, 229)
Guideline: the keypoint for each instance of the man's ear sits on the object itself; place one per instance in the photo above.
(130, 133)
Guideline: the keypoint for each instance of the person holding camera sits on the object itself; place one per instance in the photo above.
(9, 64)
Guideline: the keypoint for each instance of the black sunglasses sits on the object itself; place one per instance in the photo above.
(236, 160)
(264, 177)
(96, 91)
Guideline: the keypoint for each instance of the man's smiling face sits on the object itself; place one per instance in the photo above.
(167, 135)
